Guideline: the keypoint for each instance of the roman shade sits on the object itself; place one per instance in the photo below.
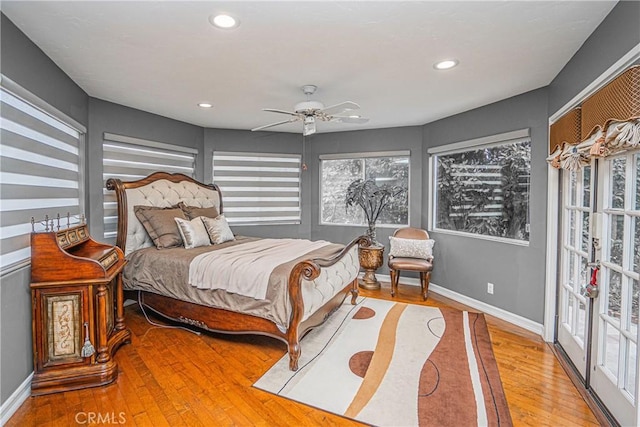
(41, 170)
(259, 188)
(609, 123)
(128, 158)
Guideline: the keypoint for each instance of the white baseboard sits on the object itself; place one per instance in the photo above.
(501, 314)
(17, 398)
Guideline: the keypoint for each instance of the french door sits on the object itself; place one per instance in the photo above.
(601, 223)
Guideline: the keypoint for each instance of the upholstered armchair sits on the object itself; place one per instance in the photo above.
(411, 250)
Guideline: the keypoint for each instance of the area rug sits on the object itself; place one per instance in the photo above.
(395, 364)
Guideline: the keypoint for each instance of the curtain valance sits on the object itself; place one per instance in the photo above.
(606, 123)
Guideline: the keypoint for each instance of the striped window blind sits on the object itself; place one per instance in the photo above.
(129, 158)
(259, 188)
(40, 171)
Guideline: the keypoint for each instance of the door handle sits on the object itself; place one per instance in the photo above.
(591, 289)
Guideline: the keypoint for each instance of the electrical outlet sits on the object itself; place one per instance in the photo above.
(490, 288)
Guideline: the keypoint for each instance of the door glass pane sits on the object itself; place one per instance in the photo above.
(636, 190)
(565, 300)
(572, 228)
(617, 183)
(616, 239)
(572, 268)
(636, 245)
(632, 356)
(635, 298)
(585, 272)
(586, 186)
(612, 349)
(613, 300)
(585, 232)
(582, 320)
(569, 319)
(572, 188)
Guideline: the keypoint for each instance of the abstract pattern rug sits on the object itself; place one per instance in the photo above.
(395, 364)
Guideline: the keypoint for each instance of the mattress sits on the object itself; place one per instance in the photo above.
(166, 272)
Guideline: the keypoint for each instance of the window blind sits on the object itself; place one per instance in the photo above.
(259, 188)
(129, 158)
(40, 173)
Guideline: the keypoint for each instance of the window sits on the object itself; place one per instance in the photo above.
(130, 158)
(259, 188)
(338, 171)
(41, 170)
(482, 186)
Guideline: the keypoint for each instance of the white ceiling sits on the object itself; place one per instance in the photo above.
(165, 57)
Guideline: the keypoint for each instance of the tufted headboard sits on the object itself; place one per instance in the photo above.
(160, 189)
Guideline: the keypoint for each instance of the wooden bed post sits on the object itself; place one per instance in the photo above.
(305, 270)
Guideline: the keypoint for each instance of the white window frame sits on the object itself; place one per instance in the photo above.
(56, 118)
(290, 215)
(161, 151)
(458, 147)
(359, 156)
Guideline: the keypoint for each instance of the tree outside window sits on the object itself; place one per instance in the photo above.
(485, 190)
(337, 174)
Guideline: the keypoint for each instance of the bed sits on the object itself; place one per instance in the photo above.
(301, 292)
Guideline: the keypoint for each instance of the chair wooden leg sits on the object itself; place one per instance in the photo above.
(394, 281)
(425, 277)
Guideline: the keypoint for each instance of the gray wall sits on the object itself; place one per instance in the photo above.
(24, 63)
(466, 264)
(390, 139)
(262, 142)
(114, 118)
(614, 37)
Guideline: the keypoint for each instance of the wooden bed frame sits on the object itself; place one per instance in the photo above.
(225, 321)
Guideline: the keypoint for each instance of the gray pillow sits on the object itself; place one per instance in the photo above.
(218, 229)
(193, 232)
(160, 224)
(195, 211)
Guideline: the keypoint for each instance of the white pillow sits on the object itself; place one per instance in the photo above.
(218, 229)
(411, 248)
(193, 232)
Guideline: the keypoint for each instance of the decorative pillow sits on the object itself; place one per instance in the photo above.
(411, 248)
(160, 224)
(218, 229)
(193, 232)
(195, 211)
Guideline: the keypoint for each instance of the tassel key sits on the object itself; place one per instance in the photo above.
(87, 349)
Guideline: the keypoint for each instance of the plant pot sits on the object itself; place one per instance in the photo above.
(371, 258)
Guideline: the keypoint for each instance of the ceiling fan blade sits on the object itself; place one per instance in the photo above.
(341, 108)
(275, 110)
(275, 124)
(348, 119)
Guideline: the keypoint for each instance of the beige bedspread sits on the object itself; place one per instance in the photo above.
(166, 272)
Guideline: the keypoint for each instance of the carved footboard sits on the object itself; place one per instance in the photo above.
(307, 271)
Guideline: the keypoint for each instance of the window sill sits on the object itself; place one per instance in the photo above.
(394, 226)
(481, 237)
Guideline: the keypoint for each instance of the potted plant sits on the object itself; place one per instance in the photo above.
(373, 200)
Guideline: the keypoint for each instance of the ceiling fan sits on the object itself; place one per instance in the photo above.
(308, 112)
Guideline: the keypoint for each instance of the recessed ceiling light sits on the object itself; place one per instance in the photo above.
(445, 65)
(224, 21)
(205, 105)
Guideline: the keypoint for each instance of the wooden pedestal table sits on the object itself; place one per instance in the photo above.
(371, 259)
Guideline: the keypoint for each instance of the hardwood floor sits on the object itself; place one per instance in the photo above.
(170, 377)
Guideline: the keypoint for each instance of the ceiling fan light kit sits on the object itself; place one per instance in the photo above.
(309, 112)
